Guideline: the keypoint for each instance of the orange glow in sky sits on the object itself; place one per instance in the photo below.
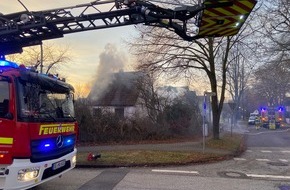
(85, 47)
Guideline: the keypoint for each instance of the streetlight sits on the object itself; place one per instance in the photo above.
(205, 94)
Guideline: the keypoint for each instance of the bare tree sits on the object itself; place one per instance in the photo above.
(239, 73)
(161, 51)
(271, 79)
(253, 100)
(54, 57)
(275, 17)
(273, 83)
(150, 99)
(277, 25)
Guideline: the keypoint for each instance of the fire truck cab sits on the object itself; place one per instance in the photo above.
(38, 129)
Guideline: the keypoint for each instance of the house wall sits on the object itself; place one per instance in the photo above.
(129, 111)
(105, 109)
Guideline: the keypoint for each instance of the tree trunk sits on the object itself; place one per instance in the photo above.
(217, 105)
(213, 81)
(215, 112)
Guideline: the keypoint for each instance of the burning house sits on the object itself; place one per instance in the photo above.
(121, 96)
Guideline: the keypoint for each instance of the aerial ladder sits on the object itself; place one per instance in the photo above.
(210, 18)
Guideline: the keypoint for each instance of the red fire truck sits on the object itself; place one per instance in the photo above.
(37, 127)
(272, 117)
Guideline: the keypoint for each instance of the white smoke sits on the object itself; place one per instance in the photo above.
(111, 60)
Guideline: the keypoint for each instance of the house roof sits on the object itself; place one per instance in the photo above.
(122, 91)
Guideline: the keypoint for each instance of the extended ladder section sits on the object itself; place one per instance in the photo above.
(207, 19)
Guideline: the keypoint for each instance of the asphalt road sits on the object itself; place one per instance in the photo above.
(265, 165)
(268, 138)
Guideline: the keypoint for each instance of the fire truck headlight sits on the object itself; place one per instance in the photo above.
(74, 160)
(28, 174)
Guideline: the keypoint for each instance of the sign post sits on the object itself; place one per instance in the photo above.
(204, 126)
(232, 106)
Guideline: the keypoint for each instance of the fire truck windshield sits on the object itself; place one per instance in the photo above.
(42, 102)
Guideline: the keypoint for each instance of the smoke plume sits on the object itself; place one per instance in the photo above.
(111, 60)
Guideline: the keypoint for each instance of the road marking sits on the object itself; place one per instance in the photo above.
(176, 171)
(263, 160)
(240, 159)
(270, 151)
(268, 176)
(267, 132)
(283, 160)
(266, 151)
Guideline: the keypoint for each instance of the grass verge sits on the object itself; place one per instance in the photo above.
(227, 142)
(146, 158)
(132, 158)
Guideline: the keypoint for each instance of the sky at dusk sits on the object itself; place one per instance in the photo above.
(86, 47)
(93, 52)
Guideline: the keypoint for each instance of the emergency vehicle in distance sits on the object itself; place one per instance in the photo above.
(38, 129)
(272, 117)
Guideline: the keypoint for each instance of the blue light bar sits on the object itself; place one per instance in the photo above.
(68, 142)
(47, 145)
(4, 63)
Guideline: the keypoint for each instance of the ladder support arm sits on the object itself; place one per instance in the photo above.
(25, 28)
